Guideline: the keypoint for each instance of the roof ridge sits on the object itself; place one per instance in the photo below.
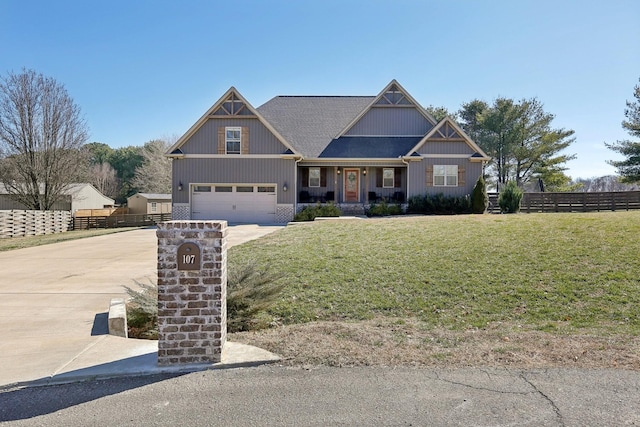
(325, 96)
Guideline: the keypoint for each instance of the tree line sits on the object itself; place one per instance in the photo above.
(122, 172)
(44, 149)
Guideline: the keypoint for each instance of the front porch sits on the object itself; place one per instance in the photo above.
(349, 186)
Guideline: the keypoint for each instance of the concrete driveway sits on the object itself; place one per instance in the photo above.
(51, 295)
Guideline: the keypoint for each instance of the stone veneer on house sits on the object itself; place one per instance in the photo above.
(192, 304)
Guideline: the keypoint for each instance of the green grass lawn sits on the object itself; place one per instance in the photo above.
(550, 272)
(9, 244)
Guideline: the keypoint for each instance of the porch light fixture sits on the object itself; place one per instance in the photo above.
(284, 187)
(364, 172)
(180, 186)
(338, 171)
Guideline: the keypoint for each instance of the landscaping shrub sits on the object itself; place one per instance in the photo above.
(382, 209)
(142, 311)
(439, 204)
(250, 293)
(309, 213)
(479, 197)
(510, 198)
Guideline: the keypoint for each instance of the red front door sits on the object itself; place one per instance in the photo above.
(352, 185)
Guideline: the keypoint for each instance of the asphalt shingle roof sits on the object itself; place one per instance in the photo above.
(310, 123)
(370, 147)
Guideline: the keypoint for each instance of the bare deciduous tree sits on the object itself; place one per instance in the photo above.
(41, 136)
(103, 177)
(154, 175)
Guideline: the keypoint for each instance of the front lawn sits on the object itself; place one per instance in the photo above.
(566, 273)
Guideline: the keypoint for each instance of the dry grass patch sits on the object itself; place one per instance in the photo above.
(401, 342)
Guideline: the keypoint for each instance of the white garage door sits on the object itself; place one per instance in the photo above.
(244, 203)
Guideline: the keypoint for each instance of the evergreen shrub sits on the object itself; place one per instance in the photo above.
(309, 213)
(479, 197)
(439, 204)
(383, 209)
(510, 198)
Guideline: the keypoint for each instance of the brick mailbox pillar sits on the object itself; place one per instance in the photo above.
(192, 291)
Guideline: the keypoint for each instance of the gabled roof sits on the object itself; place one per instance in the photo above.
(447, 128)
(232, 103)
(155, 196)
(392, 94)
(309, 123)
(315, 126)
(71, 190)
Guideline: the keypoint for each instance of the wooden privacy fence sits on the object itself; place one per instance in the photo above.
(19, 223)
(114, 221)
(574, 202)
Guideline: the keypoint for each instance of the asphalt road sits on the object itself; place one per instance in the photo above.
(280, 396)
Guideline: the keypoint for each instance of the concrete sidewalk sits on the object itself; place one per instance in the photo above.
(54, 299)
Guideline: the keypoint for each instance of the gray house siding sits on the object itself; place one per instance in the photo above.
(231, 170)
(445, 147)
(205, 139)
(391, 121)
(418, 177)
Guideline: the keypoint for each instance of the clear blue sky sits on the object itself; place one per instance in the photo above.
(142, 70)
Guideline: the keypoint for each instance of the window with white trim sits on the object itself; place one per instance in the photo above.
(314, 177)
(445, 175)
(154, 207)
(233, 139)
(388, 176)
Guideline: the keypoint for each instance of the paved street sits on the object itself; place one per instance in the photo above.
(279, 396)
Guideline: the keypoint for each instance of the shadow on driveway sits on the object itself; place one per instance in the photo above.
(25, 403)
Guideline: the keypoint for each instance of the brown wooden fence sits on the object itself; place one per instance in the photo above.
(19, 223)
(113, 221)
(574, 202)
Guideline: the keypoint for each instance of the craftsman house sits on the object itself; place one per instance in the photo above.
(261, 165)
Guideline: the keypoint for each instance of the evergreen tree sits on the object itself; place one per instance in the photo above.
(629, 169)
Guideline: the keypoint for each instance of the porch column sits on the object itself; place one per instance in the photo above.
(335, 184)
(366, 185)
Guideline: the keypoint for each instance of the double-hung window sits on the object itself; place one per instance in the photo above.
(233, 139)
(314, 177)
(388, 175)
(445, 175)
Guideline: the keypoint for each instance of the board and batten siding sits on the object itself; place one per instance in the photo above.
(445, 147)
(234, 171)
(205, 139)
(390, 121)
(418, 177)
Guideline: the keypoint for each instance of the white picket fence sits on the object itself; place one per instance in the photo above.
(19, 223)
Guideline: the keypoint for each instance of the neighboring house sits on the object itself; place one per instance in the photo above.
(77, 196)
(261, 165)
(148, 203)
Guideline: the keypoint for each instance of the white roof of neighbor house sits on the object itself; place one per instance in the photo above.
(154, 196)
(72, 189)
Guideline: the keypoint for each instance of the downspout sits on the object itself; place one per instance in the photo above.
(295, 194)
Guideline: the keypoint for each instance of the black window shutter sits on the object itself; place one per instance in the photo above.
(397, 177)
(379, 177)
(323, 177)
(305, 177)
